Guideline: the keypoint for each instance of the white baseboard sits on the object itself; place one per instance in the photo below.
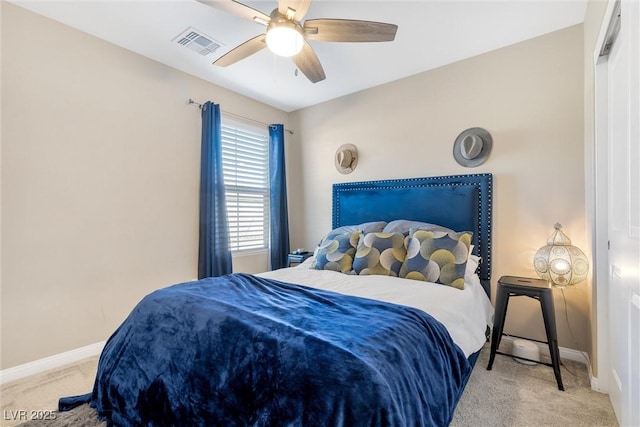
(595, 386)
(565, 353)
(51, 362)
(569, 354)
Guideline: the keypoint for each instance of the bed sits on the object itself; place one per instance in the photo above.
(325, 342)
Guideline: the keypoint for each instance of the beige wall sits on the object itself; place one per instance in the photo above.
(529, 96)
(100, 178)
(99, 193)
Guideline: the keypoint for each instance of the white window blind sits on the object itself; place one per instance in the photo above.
(245, 162)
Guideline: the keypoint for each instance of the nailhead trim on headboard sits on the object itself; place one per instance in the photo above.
(484, 183)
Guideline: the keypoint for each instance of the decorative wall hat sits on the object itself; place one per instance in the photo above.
(472, 147)
(346, 158)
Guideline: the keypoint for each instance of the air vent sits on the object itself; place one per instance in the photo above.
(197, 41)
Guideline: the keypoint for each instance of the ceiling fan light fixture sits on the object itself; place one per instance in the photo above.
(287, 36)
(284, 39)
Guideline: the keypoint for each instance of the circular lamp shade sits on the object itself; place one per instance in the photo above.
(559, 261)
(284, 39)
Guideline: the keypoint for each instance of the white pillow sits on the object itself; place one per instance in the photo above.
(472, 264)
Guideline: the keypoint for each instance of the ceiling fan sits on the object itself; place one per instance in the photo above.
(287, 35)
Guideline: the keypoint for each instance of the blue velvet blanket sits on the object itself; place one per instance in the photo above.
(241, 350)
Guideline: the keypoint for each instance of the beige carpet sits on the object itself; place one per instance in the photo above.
(41, 392)
(512, 394)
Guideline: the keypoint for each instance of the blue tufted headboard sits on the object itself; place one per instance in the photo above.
(459, 202)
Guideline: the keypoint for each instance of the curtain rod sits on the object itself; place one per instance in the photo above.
(237, 116)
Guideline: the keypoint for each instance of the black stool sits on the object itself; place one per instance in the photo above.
(510, 286)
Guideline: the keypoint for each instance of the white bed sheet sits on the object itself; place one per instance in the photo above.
(465, 313)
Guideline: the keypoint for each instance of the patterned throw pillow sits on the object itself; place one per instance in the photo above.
(366, 227)
(404, 226)
(436, 256)
(336, 252)
(380, 253)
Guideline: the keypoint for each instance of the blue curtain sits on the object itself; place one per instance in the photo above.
(279, 227)
(214, 256)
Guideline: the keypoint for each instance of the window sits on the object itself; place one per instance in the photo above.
(245, 162)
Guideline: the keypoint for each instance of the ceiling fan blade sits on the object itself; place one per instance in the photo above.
(349, 30)
(238, 9)
(307, 61)
(294, 9)
(246, 49)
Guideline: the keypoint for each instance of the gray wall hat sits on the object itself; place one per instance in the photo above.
(472, 147)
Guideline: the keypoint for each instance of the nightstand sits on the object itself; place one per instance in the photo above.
(511, 286)
(297, 258)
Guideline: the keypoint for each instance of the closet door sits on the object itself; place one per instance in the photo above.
(623, 137)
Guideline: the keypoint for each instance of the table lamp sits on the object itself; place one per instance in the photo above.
(559, 261)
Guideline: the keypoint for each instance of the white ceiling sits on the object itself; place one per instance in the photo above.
(430, 34)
